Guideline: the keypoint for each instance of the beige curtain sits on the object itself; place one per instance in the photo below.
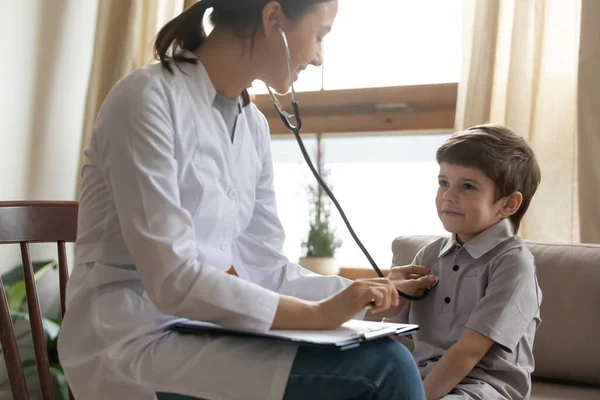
(521, 68)
(589, 122)
(125, 32)
(188, 3)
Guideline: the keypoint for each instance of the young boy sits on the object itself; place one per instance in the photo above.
(478, 324)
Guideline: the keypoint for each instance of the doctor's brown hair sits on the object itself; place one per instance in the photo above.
(187, 32)
(504, 156)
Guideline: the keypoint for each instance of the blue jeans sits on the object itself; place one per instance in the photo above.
(379, 370)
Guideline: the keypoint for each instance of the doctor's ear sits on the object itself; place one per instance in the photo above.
(272, 16)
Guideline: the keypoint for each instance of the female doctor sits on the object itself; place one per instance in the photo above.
(177, 186)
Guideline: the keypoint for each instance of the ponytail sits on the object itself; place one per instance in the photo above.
(185, 31)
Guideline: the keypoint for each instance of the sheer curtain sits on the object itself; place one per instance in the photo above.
(589, 122)
(125, 32)
(529, 65)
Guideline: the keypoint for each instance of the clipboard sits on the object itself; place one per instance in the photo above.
(351, 334)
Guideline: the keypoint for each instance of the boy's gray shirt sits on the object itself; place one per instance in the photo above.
(487, 285)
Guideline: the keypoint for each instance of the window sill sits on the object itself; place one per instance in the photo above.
(380, 109)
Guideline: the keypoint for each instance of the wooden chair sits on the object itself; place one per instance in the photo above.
(24, 223)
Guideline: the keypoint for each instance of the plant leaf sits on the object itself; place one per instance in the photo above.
(29, 369)
(50, 328)
(16, 292)
(52, 347)
(20, 336)
(15, 274)
(28, 363)
(37, 274)
(321, 240)
(16, 295)
(63, 385)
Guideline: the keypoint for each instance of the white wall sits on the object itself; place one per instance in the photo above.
(47, 48)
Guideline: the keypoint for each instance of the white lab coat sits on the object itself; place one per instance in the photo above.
(168, 204)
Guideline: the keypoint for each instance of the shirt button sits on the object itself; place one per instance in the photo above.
(232, 193)
(455, 268)
(447, 300)
(224, 246)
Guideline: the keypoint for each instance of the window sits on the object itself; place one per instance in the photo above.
(309, 80)
(292, 178)
(386, 185)
(383, 102)
(388, 43)
(393, 43)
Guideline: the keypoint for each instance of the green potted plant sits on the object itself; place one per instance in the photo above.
(322, 242)
(14, 286)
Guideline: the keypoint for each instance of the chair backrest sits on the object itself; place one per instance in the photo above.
(23, 223)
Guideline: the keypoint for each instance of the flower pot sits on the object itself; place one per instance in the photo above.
(320, 265)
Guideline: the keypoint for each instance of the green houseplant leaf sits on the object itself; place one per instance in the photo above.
(61, 380)
(16, 295)
(15, 274)
(16, 298)
(321, 240)
(51, 328)
(29, 369)
(15, 290)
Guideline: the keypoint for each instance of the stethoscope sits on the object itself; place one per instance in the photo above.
(295, 129)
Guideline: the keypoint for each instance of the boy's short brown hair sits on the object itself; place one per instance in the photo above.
(504, 156)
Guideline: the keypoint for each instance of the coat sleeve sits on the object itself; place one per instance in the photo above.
(141, 173)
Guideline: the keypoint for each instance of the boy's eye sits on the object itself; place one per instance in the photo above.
(443, 183)
(468, 186)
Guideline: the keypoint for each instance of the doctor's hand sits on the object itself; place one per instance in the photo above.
(411, 279)
(378, 294)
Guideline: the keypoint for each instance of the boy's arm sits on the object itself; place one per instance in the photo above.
(458, 361)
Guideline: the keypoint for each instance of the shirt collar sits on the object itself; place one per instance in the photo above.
(482, 243)
(449, 246)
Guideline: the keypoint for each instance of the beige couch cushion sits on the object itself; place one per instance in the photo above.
(553, 391)
(567, 343)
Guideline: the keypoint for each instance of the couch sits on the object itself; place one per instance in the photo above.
(567, 343)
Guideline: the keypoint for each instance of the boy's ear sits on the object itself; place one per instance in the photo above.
(511, 204)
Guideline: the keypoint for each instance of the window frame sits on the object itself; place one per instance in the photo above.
(424, 108)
